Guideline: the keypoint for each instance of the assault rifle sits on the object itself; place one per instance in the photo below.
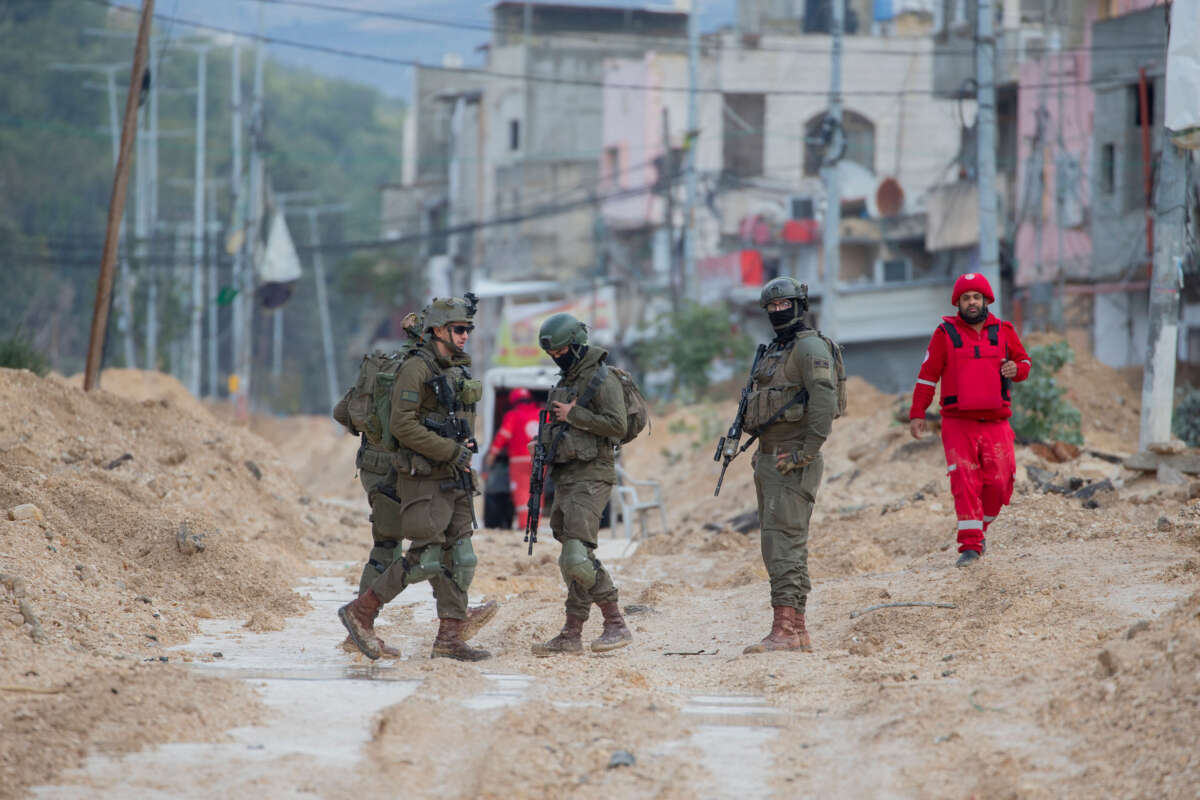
(728, 446)
(456, 428)
(543, 458)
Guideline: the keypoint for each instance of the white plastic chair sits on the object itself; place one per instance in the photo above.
(635, 498)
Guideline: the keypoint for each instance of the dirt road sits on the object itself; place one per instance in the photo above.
(1068, 666)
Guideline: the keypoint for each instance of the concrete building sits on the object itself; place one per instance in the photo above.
(761, 193)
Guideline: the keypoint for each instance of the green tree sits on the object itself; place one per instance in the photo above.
(689, 342)
(1040, 410)
(1186, 422)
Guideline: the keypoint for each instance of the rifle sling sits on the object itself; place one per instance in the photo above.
(801, 397)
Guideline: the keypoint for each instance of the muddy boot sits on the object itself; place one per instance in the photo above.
(385, 649)
(801, 631)
(449, 643)
(569, 640)
(359, 619)
(477, 617)
(615, 633)
(784, 634)
(967, 558)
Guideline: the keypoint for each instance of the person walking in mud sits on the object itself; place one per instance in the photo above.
(428, 494)
(797, 388)
(975, 355)
(590, 402)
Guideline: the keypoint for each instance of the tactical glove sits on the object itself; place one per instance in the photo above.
(793, 461)
(462, 458)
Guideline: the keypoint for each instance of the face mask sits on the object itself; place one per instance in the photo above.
(568, 359)
(782, 319)
(972, 318)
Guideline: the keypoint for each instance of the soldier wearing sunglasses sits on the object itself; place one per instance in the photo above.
(426, 498)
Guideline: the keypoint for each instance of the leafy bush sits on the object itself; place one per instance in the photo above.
(1040, 413)
(17, 352)
(1187, 418)
(689, 341)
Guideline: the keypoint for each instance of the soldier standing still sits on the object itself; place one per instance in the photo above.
(429, 500)
(591, 403)
(974, 354)
(791, 409)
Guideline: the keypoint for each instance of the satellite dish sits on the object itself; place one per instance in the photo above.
(889, 198)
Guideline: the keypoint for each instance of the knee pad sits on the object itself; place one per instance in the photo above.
(423, 565)
(576, 564)
(462, 563)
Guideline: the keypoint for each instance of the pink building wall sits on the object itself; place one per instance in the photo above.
(1039, 79)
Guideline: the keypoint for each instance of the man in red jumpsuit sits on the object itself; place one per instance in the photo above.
(976, 355)
(518, 428)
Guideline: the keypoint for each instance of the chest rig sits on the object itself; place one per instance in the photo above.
(776, 396)
(448, 409)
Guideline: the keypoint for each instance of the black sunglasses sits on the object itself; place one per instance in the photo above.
(459, 330)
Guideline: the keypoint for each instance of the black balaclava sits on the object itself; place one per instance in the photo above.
(568, 359)
(787, 322)
(974, 320)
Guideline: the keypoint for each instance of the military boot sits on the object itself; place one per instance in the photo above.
(385, 649)
(569, 639)
(359, 618)
(477, 617)
(449, 643)
(787, 633)
(615, 633)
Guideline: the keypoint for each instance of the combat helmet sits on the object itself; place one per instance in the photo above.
(785, 288)
(562, 330)
(445, 310)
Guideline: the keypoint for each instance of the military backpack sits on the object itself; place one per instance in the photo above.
(636, 412)
(370, 400)
(839, 369)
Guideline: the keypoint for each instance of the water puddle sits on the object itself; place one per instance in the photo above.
(734, 732)
(509, 690)
(319, 705)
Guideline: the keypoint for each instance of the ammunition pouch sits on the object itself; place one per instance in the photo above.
(371, 458)
(412, 463)
(470, 393)
(763, 404)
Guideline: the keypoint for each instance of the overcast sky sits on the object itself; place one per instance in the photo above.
(366, 34)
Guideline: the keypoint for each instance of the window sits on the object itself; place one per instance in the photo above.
(860, 142)
(514, 134)
(1108, 167)
(742, 148)
(612, 164)
(1135, 101)
(894, 270)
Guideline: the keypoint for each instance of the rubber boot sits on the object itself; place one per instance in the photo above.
(787, 633)
(477, 617)
(569, 639)
(385, 649)
(449, 643)
(615, 633)
(359, 618)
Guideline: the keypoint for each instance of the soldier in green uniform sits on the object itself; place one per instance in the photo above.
(590, 402)
(427, 497)
(791, 409)
(373, 462)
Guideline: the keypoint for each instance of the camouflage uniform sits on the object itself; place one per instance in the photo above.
(791, 408)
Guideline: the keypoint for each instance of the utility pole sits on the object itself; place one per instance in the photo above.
(124, 302)
(985, 67)
(197, 306)
(835, 144)
(244, 362)
(668, 179)
(236, 308)
(1060, 188)
(322, 298)
(693, 123)
(116, 206)
(1158, 377)
(214, 230)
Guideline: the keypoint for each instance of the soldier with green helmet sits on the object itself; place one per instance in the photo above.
(590, 402)
(427, 496)
(791, 408)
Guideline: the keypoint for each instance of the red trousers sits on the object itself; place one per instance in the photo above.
(981, 465)
(519, 470)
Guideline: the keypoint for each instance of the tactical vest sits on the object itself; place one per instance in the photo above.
(972, 380)
(576, 443)
(448, 410)
(773, 390)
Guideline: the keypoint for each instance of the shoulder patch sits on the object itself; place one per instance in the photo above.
(410, 396)
(821, 363)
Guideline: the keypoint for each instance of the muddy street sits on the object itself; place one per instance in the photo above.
(1067, 662)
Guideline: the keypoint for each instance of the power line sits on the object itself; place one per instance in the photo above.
(679, 42)
(488, 73)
